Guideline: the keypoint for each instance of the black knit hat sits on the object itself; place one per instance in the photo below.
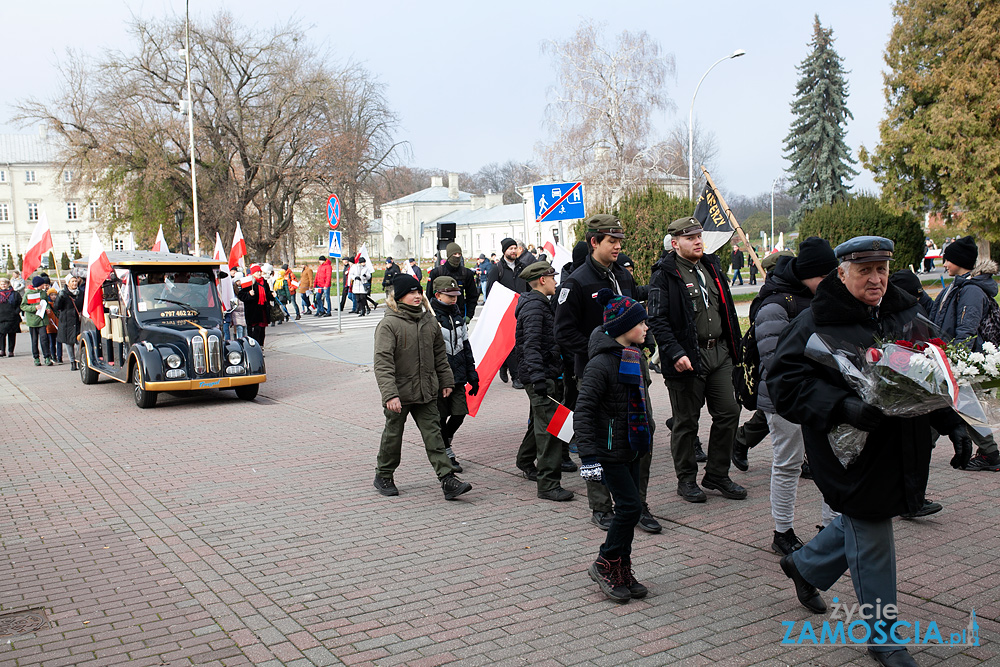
(403, 284)
(815, 259)
(907, 281)
(621, 313)
(506, 243)
(962, 252)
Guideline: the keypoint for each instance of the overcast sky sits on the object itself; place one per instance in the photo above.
(469, 82)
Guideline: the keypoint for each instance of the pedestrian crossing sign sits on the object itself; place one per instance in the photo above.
(336, 249)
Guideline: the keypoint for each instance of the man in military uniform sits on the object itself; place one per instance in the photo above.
(694, 322)
(577, 315)
(857, 306)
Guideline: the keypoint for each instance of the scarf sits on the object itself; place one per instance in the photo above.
(630, 375)
(261, 297)
(74, 292)
(6, 294)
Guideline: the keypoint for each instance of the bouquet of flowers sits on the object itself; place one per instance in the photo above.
(900, 378)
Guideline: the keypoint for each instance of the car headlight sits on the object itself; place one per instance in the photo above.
(174, 361)
(235, 357)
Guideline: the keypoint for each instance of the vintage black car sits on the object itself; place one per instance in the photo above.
(163, 330)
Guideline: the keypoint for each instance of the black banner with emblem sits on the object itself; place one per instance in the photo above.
(717, 226)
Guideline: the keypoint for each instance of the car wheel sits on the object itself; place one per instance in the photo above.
(248, 392)
(87, 374)
(143, 398)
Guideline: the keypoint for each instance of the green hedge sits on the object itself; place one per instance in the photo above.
(864, 215)
(645, 215)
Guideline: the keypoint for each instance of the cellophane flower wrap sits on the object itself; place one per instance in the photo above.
(901, 378)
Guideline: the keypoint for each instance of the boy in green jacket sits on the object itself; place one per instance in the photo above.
(412, 371)
(36, 301)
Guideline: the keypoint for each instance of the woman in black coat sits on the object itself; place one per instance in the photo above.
(257, 300)
(68, 305)
(10, 317)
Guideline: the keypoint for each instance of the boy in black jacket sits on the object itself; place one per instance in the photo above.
(539, 366)
(613, 423)
(463, 365)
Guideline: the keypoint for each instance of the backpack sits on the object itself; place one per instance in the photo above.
(989, 327)
(746, 373)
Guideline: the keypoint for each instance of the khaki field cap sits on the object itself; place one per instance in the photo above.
(537, 270)
(865, 249)
(605, 224)
(446, 285)
(688, 226)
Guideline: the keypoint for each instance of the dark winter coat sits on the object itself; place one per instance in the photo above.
(467, 282)
(390, 273)
(890, 475)
(780, 294)
(456, 344)
(501, 273)
(600, 420)
(577, 311)
(672, 315)
(255, 313)
(736, 261)
(10, 311)
(410, 359)
(959, 309)
(537, 353)
(68, 308)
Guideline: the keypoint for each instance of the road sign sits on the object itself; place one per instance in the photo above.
(558, 201)
(333, 212)
(336, 249)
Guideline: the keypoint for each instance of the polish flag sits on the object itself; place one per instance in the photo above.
(492, 339)
(33, 298)
(39, 244)
(131, 242)
(558, 255)
(220, 254)
(239, 248)
(561, 425)
(246, 281)
(98, 270)
(160, 244)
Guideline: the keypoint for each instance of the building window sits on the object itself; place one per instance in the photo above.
(67, 176)
(29, 176)
(74, 244)
(4, 252)
(32, 211)
(116, 210)
(118, 244)
(93, 210)
(71, 211)
(3, 176)
(4, 213)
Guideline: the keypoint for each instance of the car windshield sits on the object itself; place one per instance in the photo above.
(176, 295)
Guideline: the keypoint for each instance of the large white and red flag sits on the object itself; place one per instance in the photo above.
(220, 253)
(239, 248)
(98, 270)
(492, 339)
(160, 244)
(561, 425)
(39, 244)
(558, 255)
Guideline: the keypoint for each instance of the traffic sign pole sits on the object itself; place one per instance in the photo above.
(340, 309)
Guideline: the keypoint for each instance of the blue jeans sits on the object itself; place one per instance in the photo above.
(241, 331)
(326, 297)
(225, 326)
(622, 480)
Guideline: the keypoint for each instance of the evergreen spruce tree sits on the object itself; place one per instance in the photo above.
(821, 161)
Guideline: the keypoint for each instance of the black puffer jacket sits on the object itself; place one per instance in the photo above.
(456, 344)
(890, 475)
(467, 282)
(672, 318)
(538, 356)
(600, 421)
(10, 311)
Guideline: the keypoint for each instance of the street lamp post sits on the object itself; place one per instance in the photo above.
(179, 218)
(190, 110)
(773, 183)
(735, 54)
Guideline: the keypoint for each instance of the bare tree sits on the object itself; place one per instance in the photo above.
(506, 178)
(673, 153)
(600, 114)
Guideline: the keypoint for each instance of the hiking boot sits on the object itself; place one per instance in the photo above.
(635, 589)
(568, 465)
(699, 453)
(648, 523)
(740, 454)
(453, 487)
(558, 494)
(725, 486)
(601, 519)
(386, 486)
(926, 509)
(608, 575)
(983, 462)
(503, 374)
(517, 384)
(530, 474)
(691, 492)
(804, 591)
(807, 472)
(786, 542)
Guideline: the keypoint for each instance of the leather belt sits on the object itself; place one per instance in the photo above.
(708, 344)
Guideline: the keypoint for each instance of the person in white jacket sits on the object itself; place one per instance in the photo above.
(358, 278)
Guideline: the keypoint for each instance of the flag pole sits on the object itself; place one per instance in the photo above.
(736, 223)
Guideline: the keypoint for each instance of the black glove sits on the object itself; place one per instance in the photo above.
(542, 388)
(860, 415)
(474, 388)
(963, 447)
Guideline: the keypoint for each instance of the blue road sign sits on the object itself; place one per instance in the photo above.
(336, 249)
(558, 201)
(333, 211)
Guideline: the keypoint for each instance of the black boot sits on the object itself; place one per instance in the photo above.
(637, 590)
(608, 575)
(73, 366)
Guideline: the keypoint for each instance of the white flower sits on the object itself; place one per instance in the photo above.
(977, 357)
(989, 348)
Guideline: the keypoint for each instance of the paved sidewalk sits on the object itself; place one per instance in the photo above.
(211, 531)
